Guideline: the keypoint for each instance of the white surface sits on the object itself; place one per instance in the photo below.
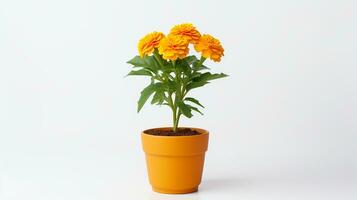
(283, 125)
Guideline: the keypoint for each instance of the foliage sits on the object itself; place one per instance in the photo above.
(174, 77)
(171, 81)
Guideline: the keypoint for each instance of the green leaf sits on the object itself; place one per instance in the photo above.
(216, 76)
(202, 67)
(193, 100)
(146, 93)
(186, 70)
(185, 109)
(200, 80)
(158, 97)
(170, 86)
(195, 75)
(208, 76)
(151, 62)
(195, 109)
(183, 66)
(191, 59)
(141, 72)
(168, 69)
(148, 62)
(193, 85)
(137, 61)
(199, 68)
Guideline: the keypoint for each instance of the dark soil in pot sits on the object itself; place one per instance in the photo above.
(170, 132)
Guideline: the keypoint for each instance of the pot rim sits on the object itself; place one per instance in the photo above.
(200, 130)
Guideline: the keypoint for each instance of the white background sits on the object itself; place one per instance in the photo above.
(283, 125)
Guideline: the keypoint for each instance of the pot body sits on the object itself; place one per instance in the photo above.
(175, 163)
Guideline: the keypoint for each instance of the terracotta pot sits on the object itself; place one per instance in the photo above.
(175, 163)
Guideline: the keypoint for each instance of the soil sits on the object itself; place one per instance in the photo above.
(170, 132)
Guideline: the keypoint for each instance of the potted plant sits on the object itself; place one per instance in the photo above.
(175, 155)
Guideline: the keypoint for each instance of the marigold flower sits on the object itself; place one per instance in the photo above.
(173, 47)
(149, 42)
(210, 47)
(187, 31)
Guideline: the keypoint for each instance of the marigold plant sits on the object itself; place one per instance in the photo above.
(172, 71)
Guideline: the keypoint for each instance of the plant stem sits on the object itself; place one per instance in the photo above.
(180, 93)
(175, 110)
(175, 121)
(172, 104)
(158, 58)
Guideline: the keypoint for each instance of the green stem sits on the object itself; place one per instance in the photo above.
(177, 121)
(177, 97)
(173, 106)
(174, 118)
(174, 110)
(158, 58)
(178, 113)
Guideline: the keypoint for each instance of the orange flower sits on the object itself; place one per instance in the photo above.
(210, 47)
(187, 31)
(149, 42)
(173, 47)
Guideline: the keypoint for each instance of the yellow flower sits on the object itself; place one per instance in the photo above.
(210, 47)
(149, 42)
(173, 47)
(187, 31)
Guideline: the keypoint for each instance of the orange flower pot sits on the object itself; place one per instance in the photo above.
(175, 163)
